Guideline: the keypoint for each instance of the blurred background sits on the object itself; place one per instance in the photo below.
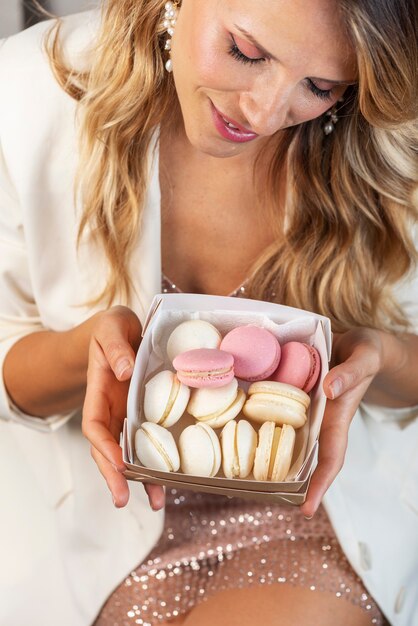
(18, 14)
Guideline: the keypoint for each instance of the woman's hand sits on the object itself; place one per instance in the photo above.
(115, 339)
(358, 355)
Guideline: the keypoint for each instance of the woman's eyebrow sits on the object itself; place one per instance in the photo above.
(268, 55)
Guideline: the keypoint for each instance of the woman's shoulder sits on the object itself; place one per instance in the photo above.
(24, 54)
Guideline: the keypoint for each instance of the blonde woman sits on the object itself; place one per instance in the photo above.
(229, 147)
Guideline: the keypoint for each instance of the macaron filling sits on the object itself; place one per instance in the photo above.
(274, 448)
(160, 450)
(314, 371)
(175, 390)
(214, 469)
(236, 405)
(193, 374)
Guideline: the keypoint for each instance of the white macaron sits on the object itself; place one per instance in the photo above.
(274, 452)
(277, 402)
(200, 451)
(216, 406)
(238, 442)
(192, 335)
(155, 448)
(165, 399)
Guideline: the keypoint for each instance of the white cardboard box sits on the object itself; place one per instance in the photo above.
(287, 324)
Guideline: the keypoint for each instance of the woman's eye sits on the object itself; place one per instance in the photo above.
(324, 94)
(236, 53)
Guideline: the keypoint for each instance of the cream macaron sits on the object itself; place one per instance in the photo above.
(200, 451)
(238, 443)
(274, 452)
(276, 402)
(165, 399)
(155, 448)
(191, 335)
(216, 406)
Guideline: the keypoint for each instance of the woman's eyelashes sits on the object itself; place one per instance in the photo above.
(235, 52)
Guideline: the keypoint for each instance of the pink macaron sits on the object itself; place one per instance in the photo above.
(299, 366)
(204, 367)
(256, 352)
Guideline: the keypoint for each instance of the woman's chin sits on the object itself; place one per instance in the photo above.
(215, 147)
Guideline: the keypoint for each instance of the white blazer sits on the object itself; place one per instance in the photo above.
(63, 546)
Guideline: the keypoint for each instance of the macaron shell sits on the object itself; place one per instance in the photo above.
(283, 458)
(238, 442)
(204, 368)
(165, 399)
(191, 335)
(263, 451)
(179, 407)
(230, 463)
(281, 389)
(256, 352)
(156, 449)
(300, 365)
(246, 444)
(200, 451)
(262, 407)
(229, 414)
(206, 401)
(157, 394)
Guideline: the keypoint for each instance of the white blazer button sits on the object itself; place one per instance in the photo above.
(400, 599)
(365, 556)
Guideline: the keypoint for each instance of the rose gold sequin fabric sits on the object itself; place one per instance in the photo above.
(212, 543)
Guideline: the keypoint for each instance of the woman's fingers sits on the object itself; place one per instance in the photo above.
(96, 425)
(156, 496)
(356, 375)
(116, 482)
(113, 344)
(332, 447)
(362, 365)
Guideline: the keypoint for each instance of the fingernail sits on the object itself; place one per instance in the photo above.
(122, 367)
(336, 388)
(308, 517)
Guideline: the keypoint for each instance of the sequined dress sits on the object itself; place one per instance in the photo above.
(212, 543)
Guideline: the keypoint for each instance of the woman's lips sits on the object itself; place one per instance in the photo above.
(229, 129)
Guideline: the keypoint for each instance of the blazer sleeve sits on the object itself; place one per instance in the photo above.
(406, 293)
(19, 314)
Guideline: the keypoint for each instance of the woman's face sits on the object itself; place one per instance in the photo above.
(261, 65)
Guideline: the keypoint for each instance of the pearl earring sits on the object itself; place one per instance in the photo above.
(170, 18)
(332, 116)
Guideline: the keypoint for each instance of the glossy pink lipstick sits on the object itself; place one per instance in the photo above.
(229, 129)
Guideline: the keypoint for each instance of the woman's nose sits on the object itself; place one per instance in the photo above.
(265, 106)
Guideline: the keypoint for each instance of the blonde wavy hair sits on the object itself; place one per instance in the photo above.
(352, 203)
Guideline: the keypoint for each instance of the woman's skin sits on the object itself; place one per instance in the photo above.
(307, 49)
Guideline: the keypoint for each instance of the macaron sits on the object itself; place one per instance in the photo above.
(192, 335)
(238, 443)
(155, 448)
(204, 367)
(300, 365)
(216, 407)
(165, 399)
(200, 451)
(276, 402)
(274, 452)
(256, 352)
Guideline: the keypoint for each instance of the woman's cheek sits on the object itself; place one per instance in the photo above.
(307, 107)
